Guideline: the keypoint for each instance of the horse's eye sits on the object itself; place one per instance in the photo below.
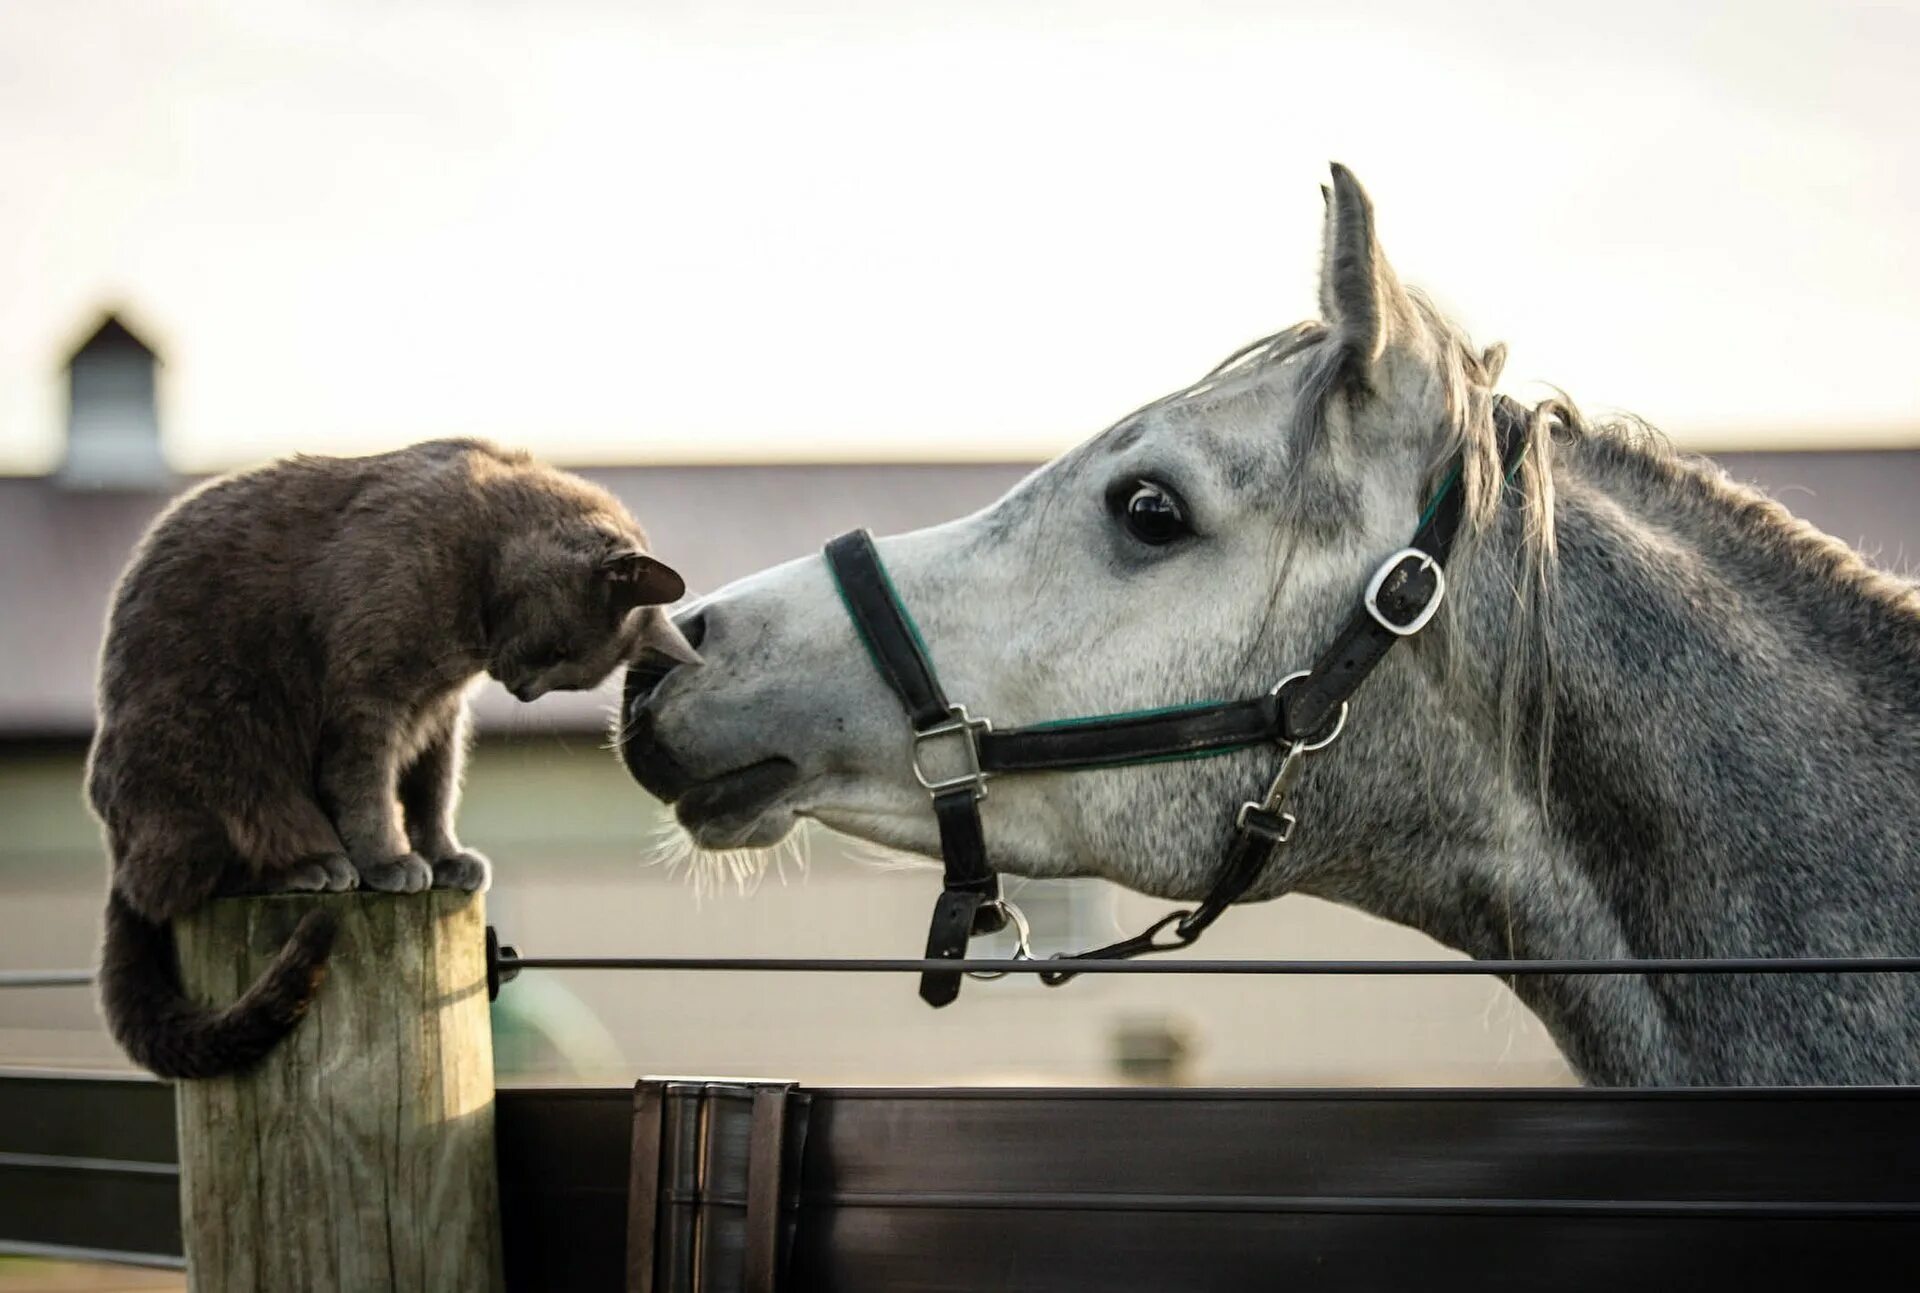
(1153, 513)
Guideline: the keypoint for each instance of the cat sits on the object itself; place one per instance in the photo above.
(282, 698)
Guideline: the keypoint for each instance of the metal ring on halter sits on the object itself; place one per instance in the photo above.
(1022, 939)
(1339, 723)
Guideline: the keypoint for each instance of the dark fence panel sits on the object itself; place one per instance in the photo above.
(926, 1191)
(563, 1186)
(88, 1168)
(934, 1251)
(922, 1191)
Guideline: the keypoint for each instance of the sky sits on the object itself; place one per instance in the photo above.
(679, 232)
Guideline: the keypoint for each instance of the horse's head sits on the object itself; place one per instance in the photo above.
(1197, 550)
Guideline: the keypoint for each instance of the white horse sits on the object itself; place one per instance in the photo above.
(1656, 716)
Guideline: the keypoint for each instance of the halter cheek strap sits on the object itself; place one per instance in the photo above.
(969, 901)
(1305, 712)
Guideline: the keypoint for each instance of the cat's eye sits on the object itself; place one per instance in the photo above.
(1150, 511)
(548, 659)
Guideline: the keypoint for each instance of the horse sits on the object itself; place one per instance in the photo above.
(1654, 716)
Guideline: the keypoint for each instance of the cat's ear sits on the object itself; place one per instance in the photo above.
(659, 635)
(636, 579)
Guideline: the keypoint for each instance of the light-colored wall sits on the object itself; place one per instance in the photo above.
(570, 836)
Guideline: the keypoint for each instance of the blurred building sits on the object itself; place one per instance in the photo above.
(572, 836)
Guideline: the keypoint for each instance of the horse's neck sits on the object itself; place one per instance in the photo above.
(1734, 769)
(1736, 708)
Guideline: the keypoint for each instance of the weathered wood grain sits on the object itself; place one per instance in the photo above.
(360, 1154)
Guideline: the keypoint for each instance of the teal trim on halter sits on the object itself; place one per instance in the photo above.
(859, 630)
(1124, 714)
(1188, 757)
(898, 604)
(1453, 478)
(1439, 496)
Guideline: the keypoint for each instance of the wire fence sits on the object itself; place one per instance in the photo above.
(45, 978)
(914, 965)
(901, 965)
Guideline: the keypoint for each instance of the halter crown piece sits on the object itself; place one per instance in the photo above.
(955, 753)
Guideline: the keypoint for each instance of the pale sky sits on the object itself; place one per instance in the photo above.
(709, 232)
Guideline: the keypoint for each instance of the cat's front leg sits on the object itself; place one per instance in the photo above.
(358, 777)
(429, 792)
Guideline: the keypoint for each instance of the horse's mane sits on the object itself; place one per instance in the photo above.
(1833, 569)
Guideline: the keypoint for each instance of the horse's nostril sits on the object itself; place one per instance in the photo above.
(693, 626)
(651, 669)
(644, 678)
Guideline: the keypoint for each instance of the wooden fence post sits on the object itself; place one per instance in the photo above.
(359, 1155)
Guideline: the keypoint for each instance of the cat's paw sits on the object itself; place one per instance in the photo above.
(408, 873)
(465, 870)
(322, 873)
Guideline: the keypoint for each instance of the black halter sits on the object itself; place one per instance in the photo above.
(1303, 713)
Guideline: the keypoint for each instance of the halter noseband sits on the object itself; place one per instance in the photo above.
(1304, 712)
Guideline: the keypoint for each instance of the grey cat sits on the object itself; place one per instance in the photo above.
(282, 698)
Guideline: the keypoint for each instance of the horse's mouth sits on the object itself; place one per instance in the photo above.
(738, 809)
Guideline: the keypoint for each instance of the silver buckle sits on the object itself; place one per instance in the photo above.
(1339, 722)
(1022, 940)
(1371, 599)
(959, 723)
(1289, 768)
(1287, 820)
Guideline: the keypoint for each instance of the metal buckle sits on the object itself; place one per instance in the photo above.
(1276, 795)
(1287, 821)
(1022, 944)
(967, 728)
(1339, 721)
(1371, 598)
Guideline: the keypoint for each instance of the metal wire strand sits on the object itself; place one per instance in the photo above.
(891, 965)
(45, 978)
(905, 965)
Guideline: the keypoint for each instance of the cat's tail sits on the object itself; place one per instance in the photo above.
(159, 1026)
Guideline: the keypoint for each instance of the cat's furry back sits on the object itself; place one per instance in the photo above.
(281, 698)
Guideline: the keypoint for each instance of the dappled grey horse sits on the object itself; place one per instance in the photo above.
(1655, 715)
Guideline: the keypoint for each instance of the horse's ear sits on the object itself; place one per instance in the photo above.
(1360, 298)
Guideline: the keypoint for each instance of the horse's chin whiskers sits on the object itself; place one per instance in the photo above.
(708, 871)
(884, 857)
(619, 728)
